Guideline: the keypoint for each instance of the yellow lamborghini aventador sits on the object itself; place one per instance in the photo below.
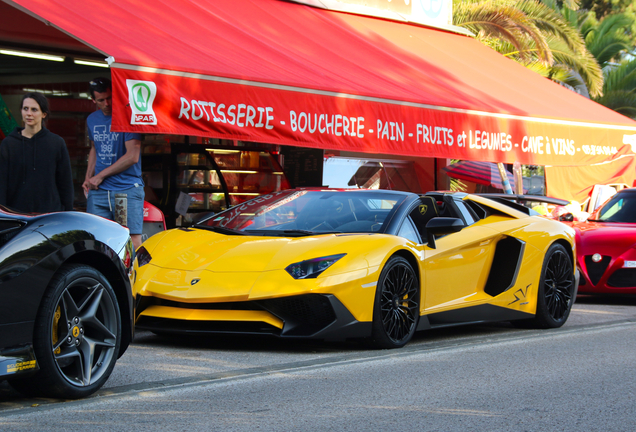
(373, 264)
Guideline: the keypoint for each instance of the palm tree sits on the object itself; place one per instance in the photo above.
(535, 33)
(619, 89)
(499, 22)
(610, 42)
(608, 39)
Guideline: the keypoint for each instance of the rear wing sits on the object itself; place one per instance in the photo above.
(517, 201)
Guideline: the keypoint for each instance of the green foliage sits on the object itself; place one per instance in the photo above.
(620, 89)
(600, 9)
(611, 40)
(456, 185)
(501, 20)
(531, 170)
(603, 8)
(607, 39)
(542, 35)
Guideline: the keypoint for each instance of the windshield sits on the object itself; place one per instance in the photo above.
(305, 212)
(620, 208)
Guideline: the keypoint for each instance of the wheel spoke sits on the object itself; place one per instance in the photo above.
(398, 325)
(59, 343)
(70, 363)
(90, 311)
(407, 313)
(67, 353)
(87, 348)
(407, 281)
(391, 287)
(387, 297)
(69, 307)
(90, 306)
(389, 323)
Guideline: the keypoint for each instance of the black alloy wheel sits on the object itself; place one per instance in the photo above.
(77, 335)
(558, 285)
(556, 290)
(397, 305)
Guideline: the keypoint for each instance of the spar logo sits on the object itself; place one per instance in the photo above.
(141, 95)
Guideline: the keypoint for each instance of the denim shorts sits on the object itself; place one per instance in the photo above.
(102, 203)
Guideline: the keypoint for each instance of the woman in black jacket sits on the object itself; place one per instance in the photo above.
(35, 169)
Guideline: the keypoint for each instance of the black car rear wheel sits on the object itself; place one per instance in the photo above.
(77, 335)
(556, 290)
(397, 305)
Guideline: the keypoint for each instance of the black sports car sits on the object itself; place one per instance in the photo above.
(66, 303)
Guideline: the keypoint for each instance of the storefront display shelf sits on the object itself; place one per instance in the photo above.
(214, 178)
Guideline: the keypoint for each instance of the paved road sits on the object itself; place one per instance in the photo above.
(254, 381)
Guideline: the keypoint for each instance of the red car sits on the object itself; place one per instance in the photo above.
(606, 247)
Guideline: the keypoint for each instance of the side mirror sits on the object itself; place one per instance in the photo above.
(440, 226)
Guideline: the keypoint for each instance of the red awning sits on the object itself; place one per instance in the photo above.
(280, 72)
(576, 182)
(484, 173)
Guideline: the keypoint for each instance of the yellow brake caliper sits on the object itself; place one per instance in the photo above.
(56, 319)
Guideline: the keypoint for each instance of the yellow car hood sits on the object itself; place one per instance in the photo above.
(197, 249)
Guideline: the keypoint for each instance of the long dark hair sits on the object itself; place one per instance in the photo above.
(42, 101)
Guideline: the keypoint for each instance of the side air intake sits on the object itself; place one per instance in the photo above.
(505, 265)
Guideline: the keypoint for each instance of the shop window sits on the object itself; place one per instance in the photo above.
(360, 173)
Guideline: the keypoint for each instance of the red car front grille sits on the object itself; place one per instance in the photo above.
(623, 278)
(595, 270)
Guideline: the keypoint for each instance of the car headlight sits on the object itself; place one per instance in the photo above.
(312, 268)
(143, 257)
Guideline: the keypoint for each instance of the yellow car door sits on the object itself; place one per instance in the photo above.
(456, 271)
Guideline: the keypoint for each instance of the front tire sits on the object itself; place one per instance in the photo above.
(556, 290)
(396, 309)
(77, 335)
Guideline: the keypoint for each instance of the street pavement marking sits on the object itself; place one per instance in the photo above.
(149, 389)
(452, 411)
(597, 312)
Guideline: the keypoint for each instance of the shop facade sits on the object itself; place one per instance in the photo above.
(295, 82)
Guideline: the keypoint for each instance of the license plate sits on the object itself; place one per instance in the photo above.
(629, 264)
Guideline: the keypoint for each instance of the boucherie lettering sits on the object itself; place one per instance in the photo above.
(241, 115)
(336, 124)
